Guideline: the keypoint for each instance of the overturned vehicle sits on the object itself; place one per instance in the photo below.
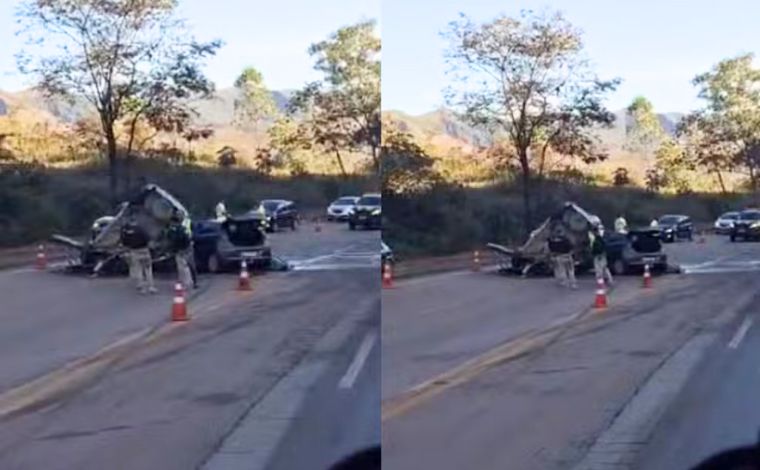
(217, 243)
(626, 252)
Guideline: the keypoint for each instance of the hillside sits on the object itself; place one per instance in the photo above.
(444, 122)
(217, 111)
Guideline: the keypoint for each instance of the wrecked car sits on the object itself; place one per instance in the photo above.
(153, 208)
(625, 252)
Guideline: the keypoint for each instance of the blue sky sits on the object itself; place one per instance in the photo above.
(656, 47)
(272, 36)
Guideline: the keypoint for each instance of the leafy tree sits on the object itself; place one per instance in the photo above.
(343, 110)
(620, 177)
(671, 165)
(655, 179)
(128, 59)
(526, 77)
(703, 149)
(324, 125)
(226, 156)
(255, 102)
(645, 133)
(726, 132)
(407, 169)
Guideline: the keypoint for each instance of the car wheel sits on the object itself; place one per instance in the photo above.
(618, 267)
(351, 226)
(213, 264)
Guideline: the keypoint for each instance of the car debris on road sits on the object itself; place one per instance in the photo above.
(626, 251)
(218, 242)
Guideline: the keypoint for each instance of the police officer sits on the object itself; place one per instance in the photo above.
(221, 211)
(599, 252)
(180, 238)
(621, 225)
(561, 250)
(136, 240)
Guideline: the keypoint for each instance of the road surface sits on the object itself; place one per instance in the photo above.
(505, 372)
(93, 376)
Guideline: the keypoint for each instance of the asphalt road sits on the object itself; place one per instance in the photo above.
(93, 376)
(488, 372)
(718, 407)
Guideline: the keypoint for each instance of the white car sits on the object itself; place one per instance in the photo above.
(725, 222)
(341, 208)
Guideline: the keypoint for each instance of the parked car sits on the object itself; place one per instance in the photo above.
(341, 208)
(675, 227)
(280, 213)
(367, 213)
(725, 223)
(747, 226)
(221, 246)
(629, 252)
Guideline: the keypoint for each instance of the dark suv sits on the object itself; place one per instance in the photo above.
(367, 213)
(747, 226)
(674, 227)
(280, 213)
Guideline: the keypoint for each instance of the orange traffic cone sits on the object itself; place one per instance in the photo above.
(388, 276)
(179, 307)
(244, 282)
(476, 261)
(647, 277)
(41, 258)
(601, 295)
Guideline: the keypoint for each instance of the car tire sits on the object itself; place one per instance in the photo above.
(213, 264)
(351, 226)
(618, 267)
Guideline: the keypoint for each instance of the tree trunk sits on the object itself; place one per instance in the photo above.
(721, 182)
(527, 193)
(375, 159)
(113, 172)
(340, 163)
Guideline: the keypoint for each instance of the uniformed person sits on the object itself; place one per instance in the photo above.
(137, 241)
(561, 250)
(599, 252)
(621, 225)
(180, 238)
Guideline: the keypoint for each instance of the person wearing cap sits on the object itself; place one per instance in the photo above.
(221, 211)
(561, 250)
(180, 238)
(136, 240)
(621, 225)
(599, 252)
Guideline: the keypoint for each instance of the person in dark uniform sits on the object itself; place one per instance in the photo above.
(180, 238)
(561, 250)
(137, 241)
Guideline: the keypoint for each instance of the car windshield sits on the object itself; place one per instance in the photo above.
(750, 215)
(369, 201)
(730, 216)
(270, 205)
(669, 219)
(345, 201)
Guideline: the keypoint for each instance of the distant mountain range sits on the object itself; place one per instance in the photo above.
(444, 123)
(217, 111)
